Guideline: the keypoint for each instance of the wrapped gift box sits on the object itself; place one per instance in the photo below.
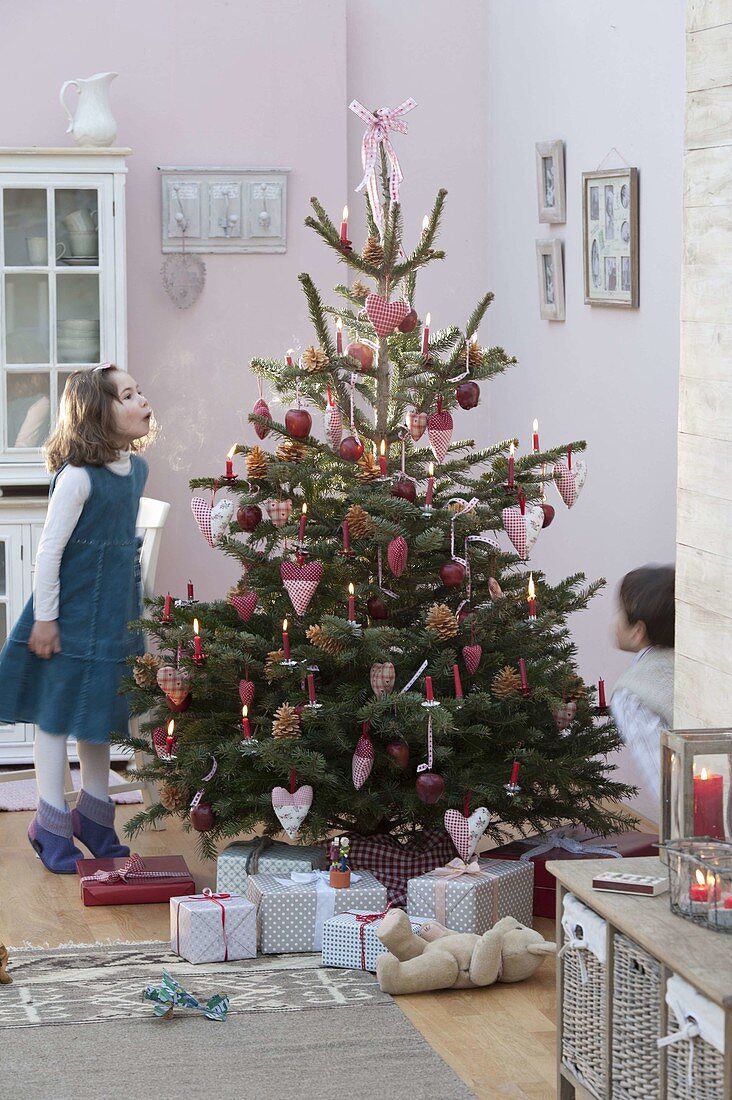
(572, 842)
(350, 940)
(473, 901)
(213, 928)
(134, 881)
(244, 858)
(292, 910)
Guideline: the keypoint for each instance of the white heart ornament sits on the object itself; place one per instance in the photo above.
(465, 832)
(221, 517)
(523, 529)
(292, 809)
(570, 482)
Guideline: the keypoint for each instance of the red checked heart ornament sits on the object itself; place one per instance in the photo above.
(439, 431)
(417, 424)
(397, 553)
(333, 426)
(465, 832)
(300, 581)
(279, 511)
(383, 678)
(472, 655)
(261, 408)
(175, 682)
(569, 482)
(385, 316)
(244, 605)
(523, 529)
(292, 809)
(246, 692)
(362, 760)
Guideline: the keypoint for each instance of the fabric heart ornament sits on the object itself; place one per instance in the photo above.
(244, 605)
(383, 677)
(472, 655)
(246, 692)
(160, 744)
(439, 431)
(385, 316)
(279, 511)
(397, 553)
(202, 511)
(568, 481)
(261, 408)
(300, 581)
(523, 528)
(221, 517)
(362, 760)
(175, 682)
(333, 426)
(465, 832)
(292, 809)
(417, 424)
(564, 715)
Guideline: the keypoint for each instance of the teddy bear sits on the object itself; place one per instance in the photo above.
(441, 959)
(5, 978)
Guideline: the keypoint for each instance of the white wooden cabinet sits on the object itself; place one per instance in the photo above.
(62, 308)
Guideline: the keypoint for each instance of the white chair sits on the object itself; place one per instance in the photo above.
(151, 517)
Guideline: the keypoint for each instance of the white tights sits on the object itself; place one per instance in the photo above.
(49, 754)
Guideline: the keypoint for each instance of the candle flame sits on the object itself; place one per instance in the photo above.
(425, 223)
(351, 589)
(232, 452)
(195, 627)
(699, 876)
(432, 469)
(704, 774)
(289, 353)
(345, 214)
(531, 590)
(245, 711)
(536, 425)
(304, 509)
(339, 325)
(511, 450)
(382, 448)
(427, 320)
(171, 727)
(284, 626)
(711, 880)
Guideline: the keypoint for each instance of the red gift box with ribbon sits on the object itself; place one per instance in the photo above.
(136, 880)
(570, 842)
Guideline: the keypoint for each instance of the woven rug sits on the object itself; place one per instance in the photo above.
(23, 794)
(294, 1029)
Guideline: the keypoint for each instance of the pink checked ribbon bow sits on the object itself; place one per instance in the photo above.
(363, 919)
(378, 126)
(134, 867)
(457, 867)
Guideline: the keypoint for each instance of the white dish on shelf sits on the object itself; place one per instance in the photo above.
(80, 261)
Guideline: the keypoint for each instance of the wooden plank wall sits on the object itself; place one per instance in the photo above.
(703, 685)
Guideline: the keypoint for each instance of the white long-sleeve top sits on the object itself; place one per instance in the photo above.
(72, 490)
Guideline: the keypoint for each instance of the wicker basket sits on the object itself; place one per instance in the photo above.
(584, 1018)
(636, 1023)
(706, 1081)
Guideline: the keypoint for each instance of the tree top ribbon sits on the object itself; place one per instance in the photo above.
(378, 126)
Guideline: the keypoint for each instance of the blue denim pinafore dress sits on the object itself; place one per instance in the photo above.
(74, 693)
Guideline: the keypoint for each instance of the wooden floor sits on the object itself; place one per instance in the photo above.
(499, 1040)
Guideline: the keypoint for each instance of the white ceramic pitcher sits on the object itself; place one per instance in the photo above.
(93, 123)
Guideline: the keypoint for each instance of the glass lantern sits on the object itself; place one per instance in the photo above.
(696, 784)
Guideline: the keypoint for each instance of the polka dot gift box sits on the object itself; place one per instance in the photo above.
(350, 940)
(244, 858)
(292, 909)
(471, 897)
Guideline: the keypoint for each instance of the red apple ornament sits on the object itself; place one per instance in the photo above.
(362, 353)
(549, 514)
(405, 489)
(298, 423)
(430, 787)
(351, 449)
(377, 608)
(249, 516)
(452, 574)
(203, 818)
(468, 395)
(399, 753)
(410, 322)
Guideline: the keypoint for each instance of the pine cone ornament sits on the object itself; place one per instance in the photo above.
(317, 637)
(475, 359)
(373, 253)
(256, 463)
(286, 722)
(289, 451)
(314, 360)
(175, 799)
(573, 689)
(360, 290)
(442, 621)
(273, 659)
(146, 670)
(359, 522)
(368, 468)
(506, 683)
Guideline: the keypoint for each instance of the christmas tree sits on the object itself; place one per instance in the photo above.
(385, 656)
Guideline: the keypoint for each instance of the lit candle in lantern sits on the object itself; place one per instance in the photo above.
(426, 335)
(190, 590)
(531, 596)
(601, 701)
(428, 689)
(285, 640)
(303, 521)
(535, 436)
(346, 536)
(197, 648)
(511, 466)
(382, 458)
(351, 604)
(246, 729)
(425, 225)
(458, 682)
(229, 474)
(167, 607)
(288, 357)
(704, 889)
(339, 337)
(170, 740)
(430, 485)
(311, 688)
(709, 805)
(524, 677)
(344, 226)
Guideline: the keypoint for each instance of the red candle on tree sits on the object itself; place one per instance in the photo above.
(524, 677)
(531, 597)
(167, 607)
(288, 357)
(285, 640)
(197, 648)
(382, 458)
(511, 467)
(246, 729)
(303, 520)
(351, 604)
(344, 226)
(709, 805)
(426, 335)
(346, 536)
(311, 688)
(601, 702)
(428, 689)
(190, 590)
(339, 337)
(170, 740)
(535, 436)
(569, 457)
(230, 464)
(430, 486)
(513, 781)
(458, 682)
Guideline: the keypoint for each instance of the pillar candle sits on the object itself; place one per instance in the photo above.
(167, 607)
(344, 226)
(339, 337)
(709, 805)
(311, 687)
(428, 689)
(246, 729)
(190, 590)
(346, 536)
(511, 467)
(458, 683)
(285, 640)
(351, 604)
(303, 521)
(426, 335)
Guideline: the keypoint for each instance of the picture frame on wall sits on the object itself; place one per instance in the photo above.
(550, 269)
(550, 181)
(610, 233)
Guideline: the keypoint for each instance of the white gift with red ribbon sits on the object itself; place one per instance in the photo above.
(209, 927)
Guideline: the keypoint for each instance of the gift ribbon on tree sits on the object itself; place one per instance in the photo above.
(379, 124)
(199, 793)
(428, 766)
(363, 920)
(205, 895)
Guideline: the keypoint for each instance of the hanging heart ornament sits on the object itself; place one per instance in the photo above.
(279, 511)
(417, 424)
(570, 482)
(385, 316)
(333, 426)
(300, 581)
(175, 682)
(472, 655)
(564, 714)
(244, 604)
(439, 431)
(213, 522)
(523, 529)
(397, 553)
(246, 692)
(184, 276)
(261, 408)
(292, 809)
(362, 760)
(383, 678)
(465, 832)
